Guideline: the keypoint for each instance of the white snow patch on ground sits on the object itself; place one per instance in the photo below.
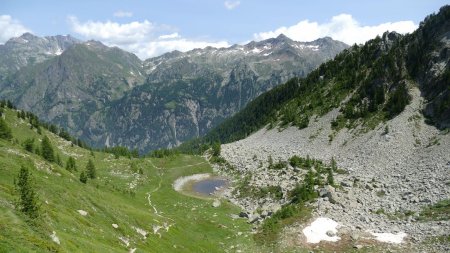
(256, 50)
(82, 212)
(55, 238)
(180, 182)
(390, 237)
(318, 229)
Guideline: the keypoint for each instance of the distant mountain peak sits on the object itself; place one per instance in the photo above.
(28, 35)
(283, 37)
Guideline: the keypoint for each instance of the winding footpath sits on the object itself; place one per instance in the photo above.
(165, 225)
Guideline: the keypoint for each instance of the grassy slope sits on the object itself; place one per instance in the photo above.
(198, 226)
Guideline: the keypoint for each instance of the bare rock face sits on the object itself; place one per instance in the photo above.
(108, 96)
(29, 49)
(187, 94)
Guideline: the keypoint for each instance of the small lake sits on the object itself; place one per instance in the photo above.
(208, 186)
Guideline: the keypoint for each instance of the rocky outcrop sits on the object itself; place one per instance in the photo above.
(29, 49)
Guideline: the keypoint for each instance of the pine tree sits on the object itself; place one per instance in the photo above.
(90, 169)
(216, 149)
(333, 164)
(70, 164)
(5, 130)
(28, 144)
(58, 160)
(28, 198)
(330, 177)
(309, 180)
(47, 150)
(83, 177)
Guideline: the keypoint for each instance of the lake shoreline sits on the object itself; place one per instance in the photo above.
(185, 185)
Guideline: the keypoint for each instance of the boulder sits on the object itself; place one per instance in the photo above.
(243, 215)
(216, 203)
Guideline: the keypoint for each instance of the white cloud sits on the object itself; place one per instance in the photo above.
(231, 4)
(169, 36)
(145, 39)
(123, 14)
(342, 27)
(10, 27)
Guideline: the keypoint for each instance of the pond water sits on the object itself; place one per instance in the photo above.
(208, 186)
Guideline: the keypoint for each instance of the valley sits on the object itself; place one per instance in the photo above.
(131, 205)
(270, 145)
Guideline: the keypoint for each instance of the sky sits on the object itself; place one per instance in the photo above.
(150, 28)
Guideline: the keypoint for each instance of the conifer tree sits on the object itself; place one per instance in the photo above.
(28, 198)
(28, 144)
(330, 177)
(71, 164)
(216, 149)
(90, 169)
(83, 177)
(58, 160)
(333, 164)
(47, 150)
(5, 130)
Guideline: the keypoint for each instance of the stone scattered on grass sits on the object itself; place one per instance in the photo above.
(55, 238)
(216, 203)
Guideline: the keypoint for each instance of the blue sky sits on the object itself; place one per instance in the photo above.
(149, 28)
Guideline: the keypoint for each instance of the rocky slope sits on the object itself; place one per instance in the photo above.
(389, 172)
(29, 49)
(393, 165)
(68, 88)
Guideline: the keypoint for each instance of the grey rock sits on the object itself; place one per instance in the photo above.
(330, 233)
(243, 215)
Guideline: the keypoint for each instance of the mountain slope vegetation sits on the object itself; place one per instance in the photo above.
(369, 83)
(130, 205)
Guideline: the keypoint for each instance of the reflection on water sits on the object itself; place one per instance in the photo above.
(208, 186)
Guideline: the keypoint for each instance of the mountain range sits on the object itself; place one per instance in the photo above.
(368, 84)
(107, 96)
(352, 157)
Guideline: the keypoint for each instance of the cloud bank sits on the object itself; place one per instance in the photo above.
(145, 39)
(10, 27)
(342, 27)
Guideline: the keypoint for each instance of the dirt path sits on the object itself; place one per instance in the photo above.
(165, 225)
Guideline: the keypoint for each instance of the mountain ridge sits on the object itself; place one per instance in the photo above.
(368, 83)
(233, 76)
